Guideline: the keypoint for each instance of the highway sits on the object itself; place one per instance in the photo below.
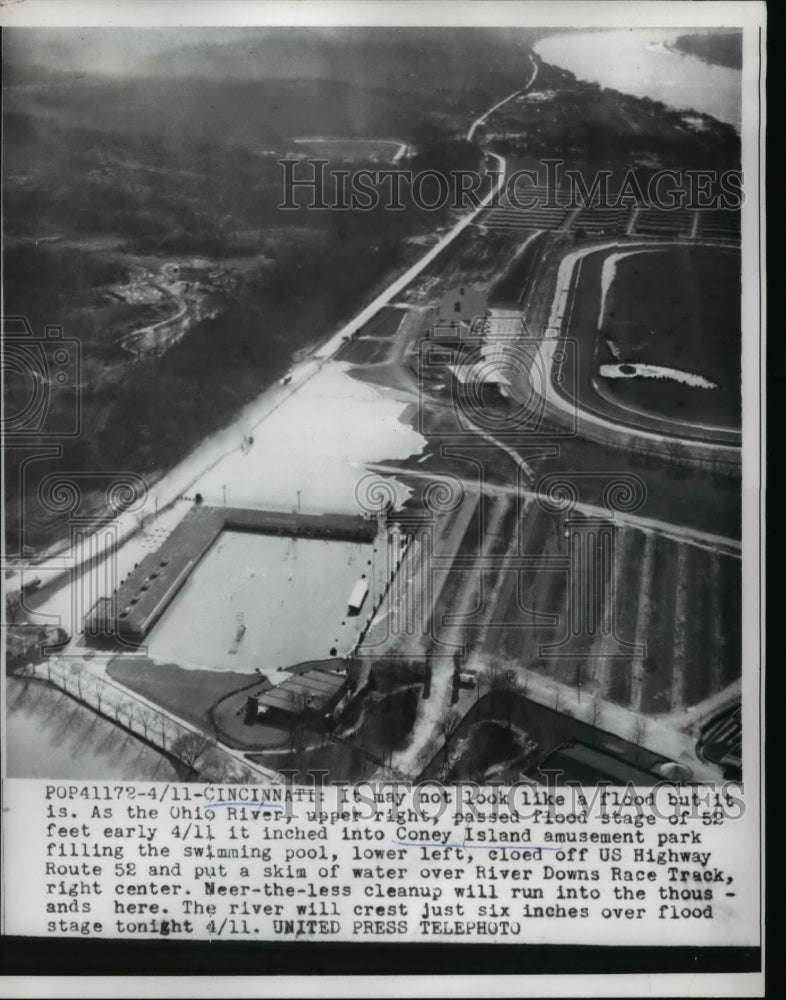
(482, 120)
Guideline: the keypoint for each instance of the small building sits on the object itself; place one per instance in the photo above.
(480, 375)
(458, 309)
(358, 596)
(315, 694)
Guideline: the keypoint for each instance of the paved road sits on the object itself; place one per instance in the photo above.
(482, 120)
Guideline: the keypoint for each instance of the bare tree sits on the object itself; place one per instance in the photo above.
(61, 674)
(77, 670)
(165, 731)
(447, 725)
(120, 706)
(191, 748)
(596, 711)
(245, 776)
(131, 713)
(99, 690)
(145, 718)
(639, 733)
(217, 766)
(13, 608)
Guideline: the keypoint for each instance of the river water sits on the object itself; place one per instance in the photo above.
(641, 62)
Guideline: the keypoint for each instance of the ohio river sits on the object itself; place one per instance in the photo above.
(641, 62)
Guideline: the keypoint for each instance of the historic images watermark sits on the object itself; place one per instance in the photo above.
(313, 185)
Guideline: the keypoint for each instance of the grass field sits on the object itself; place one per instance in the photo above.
(186, 693)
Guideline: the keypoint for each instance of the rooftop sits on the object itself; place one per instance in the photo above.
(319, 687)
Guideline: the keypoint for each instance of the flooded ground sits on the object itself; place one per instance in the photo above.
(310, 444)
(290, 595)
(49, 735)
(314, 446)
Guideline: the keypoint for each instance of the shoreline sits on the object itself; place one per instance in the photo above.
(708, 79)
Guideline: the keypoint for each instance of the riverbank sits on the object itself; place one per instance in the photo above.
(643, 63)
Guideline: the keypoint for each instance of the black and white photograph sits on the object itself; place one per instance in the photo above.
(373, 418)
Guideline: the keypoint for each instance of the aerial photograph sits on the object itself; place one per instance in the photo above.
(373, 404)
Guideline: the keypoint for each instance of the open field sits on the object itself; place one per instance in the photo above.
(186, 693)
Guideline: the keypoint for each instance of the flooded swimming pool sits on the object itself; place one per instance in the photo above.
(274, 600)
